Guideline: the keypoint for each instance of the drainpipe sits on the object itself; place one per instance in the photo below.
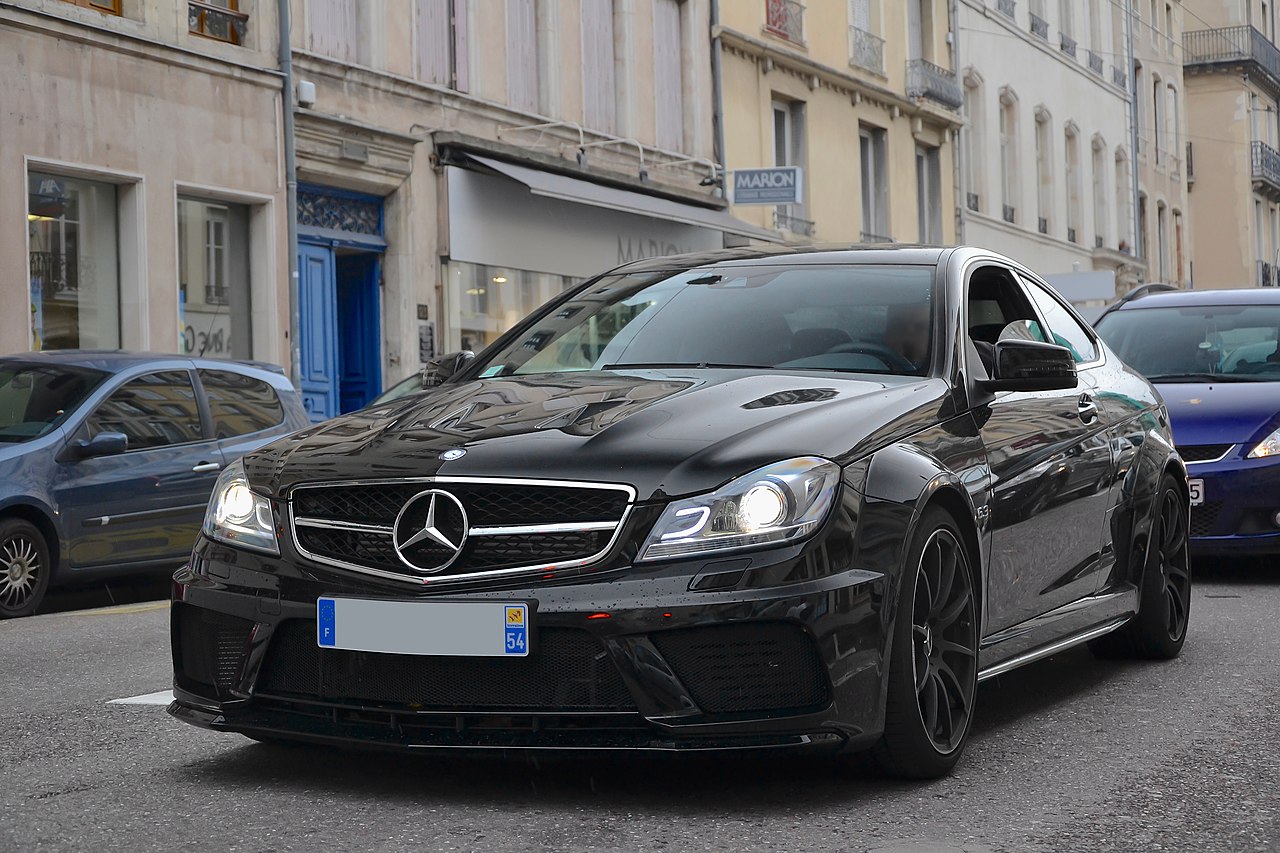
(957, 147)
(1139, 239)
(291, 190)
(717, 98)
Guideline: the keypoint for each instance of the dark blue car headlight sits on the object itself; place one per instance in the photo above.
(772, 505)
(239, 516)
(1269, 446)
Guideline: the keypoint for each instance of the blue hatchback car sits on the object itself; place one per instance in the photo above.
(107, 459)
(1215, 357)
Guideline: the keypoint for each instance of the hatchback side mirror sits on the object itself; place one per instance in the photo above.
(103, 444)
(1031, 366)
(439, 369)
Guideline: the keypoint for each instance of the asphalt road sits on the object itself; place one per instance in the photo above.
(1070, 754)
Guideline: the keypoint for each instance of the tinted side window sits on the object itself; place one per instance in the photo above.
(153, 410)
(1065, 328)
(240, 404)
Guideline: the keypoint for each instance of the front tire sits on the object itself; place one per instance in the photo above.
(24, 568)
(1159, 629)
(933, 662)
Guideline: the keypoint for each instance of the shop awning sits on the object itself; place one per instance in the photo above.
(564, 188)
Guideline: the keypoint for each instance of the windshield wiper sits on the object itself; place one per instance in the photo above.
(694, 365)
(1207, 377)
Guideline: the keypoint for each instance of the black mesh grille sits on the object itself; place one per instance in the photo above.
(768, 666)
(486, 504)
(566, 670)
(1202, 452)
(1204, 518)
(211, 645)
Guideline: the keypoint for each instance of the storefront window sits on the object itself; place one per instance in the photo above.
(213, 279)
(485, 301)
(75, 282)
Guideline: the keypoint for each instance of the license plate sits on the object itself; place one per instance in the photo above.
(453, 628)
(1196, 487)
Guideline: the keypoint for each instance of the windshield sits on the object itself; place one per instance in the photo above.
(863, 319)
(36, 398)
(1204, 343)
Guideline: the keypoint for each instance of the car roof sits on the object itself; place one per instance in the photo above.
(878, 253)
(1192, 298)
(116, 361)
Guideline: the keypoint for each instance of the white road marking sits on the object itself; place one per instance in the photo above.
(160, 697)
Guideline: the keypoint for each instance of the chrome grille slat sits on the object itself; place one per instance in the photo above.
(573, 524)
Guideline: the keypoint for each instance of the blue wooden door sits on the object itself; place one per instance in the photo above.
(359, 333)
(318, 336)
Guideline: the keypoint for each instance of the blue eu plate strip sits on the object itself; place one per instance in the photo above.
(326, 622)
(516, 624)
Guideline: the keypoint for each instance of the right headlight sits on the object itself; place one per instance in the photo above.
(239, 516)
(774, 504)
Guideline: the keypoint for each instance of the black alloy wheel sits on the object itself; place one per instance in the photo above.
(1159, 629)
(24, 568)
(933, 671)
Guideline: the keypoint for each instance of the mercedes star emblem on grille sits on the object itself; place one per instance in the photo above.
(455, 453)
(431, 530)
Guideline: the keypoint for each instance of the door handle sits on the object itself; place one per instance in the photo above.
(1087, 408)
(207, 466)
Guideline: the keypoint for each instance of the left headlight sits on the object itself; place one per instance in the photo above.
(238, 516)
(775, 504)
(1269, 446)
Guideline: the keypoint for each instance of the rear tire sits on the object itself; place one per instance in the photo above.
(933, 662)
(24, 568)
(1159, 629)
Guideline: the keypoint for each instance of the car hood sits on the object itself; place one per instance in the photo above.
(1220, 413)
(664, 432)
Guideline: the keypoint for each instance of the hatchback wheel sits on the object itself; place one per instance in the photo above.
(1159, 629)
(933, 665)
(24, 568)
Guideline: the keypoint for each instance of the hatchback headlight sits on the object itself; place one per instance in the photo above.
(778, 503)
(239, 516)
(1269, 446)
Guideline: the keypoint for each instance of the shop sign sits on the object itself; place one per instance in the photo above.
(774, 185)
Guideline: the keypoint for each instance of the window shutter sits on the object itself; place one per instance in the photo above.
(522, 55)
(668, 75)
(334, 28)
(433, 41)
(461, 49)
(599, 110)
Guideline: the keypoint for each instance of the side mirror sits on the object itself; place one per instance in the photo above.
(103, 444)
(439, 369)
(1031, 366)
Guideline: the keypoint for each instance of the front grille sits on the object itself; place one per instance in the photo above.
(741, 668)
(567, 670)
(1204, 518)
(1202, 452)
(354, 525)
(211, 646)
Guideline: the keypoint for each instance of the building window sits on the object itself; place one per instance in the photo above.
(789, 150)
(1162, 241)
(441, 54)
(668, 73)
(522, 55)
(1044, 171)
(1157, 117)
(1124, 192)
(220, 20)
(873, 154)
(486, 301)
(1099, 192)
(1073, 184)
(599, 97)
(929, 194)
(1179, 264)
(1139, 119)
(1008, 156)
(785, 19)
(920, 29)
(110, 7)
(974, 151)
(213, 279)
(73, 262)
(1174, 132)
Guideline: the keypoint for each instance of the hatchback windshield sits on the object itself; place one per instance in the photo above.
(863, 319)
(1226, 343)
(35, 398)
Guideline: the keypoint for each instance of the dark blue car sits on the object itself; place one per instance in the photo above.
(1215, 357)
(107, 459)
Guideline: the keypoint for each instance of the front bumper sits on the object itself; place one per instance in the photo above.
(1241, 499)
(790, 655)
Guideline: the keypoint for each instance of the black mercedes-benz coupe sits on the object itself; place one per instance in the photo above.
(730, 501)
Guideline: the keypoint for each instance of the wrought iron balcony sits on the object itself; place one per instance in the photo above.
(215, 294)
(1006, 7)
(1120, 77)
(1039, 27)
(868, 237)
(785, 19)
(866, 51)
(974, 201)
(1266, 170)
(1266, 274)
(926, 80)
(1071, 235)
(785, 221)
(1067, 44)
(1043, 225)
(1010, 213)
(58, 274)
(1095, 63)
(1234, 47)
(1099, 241)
